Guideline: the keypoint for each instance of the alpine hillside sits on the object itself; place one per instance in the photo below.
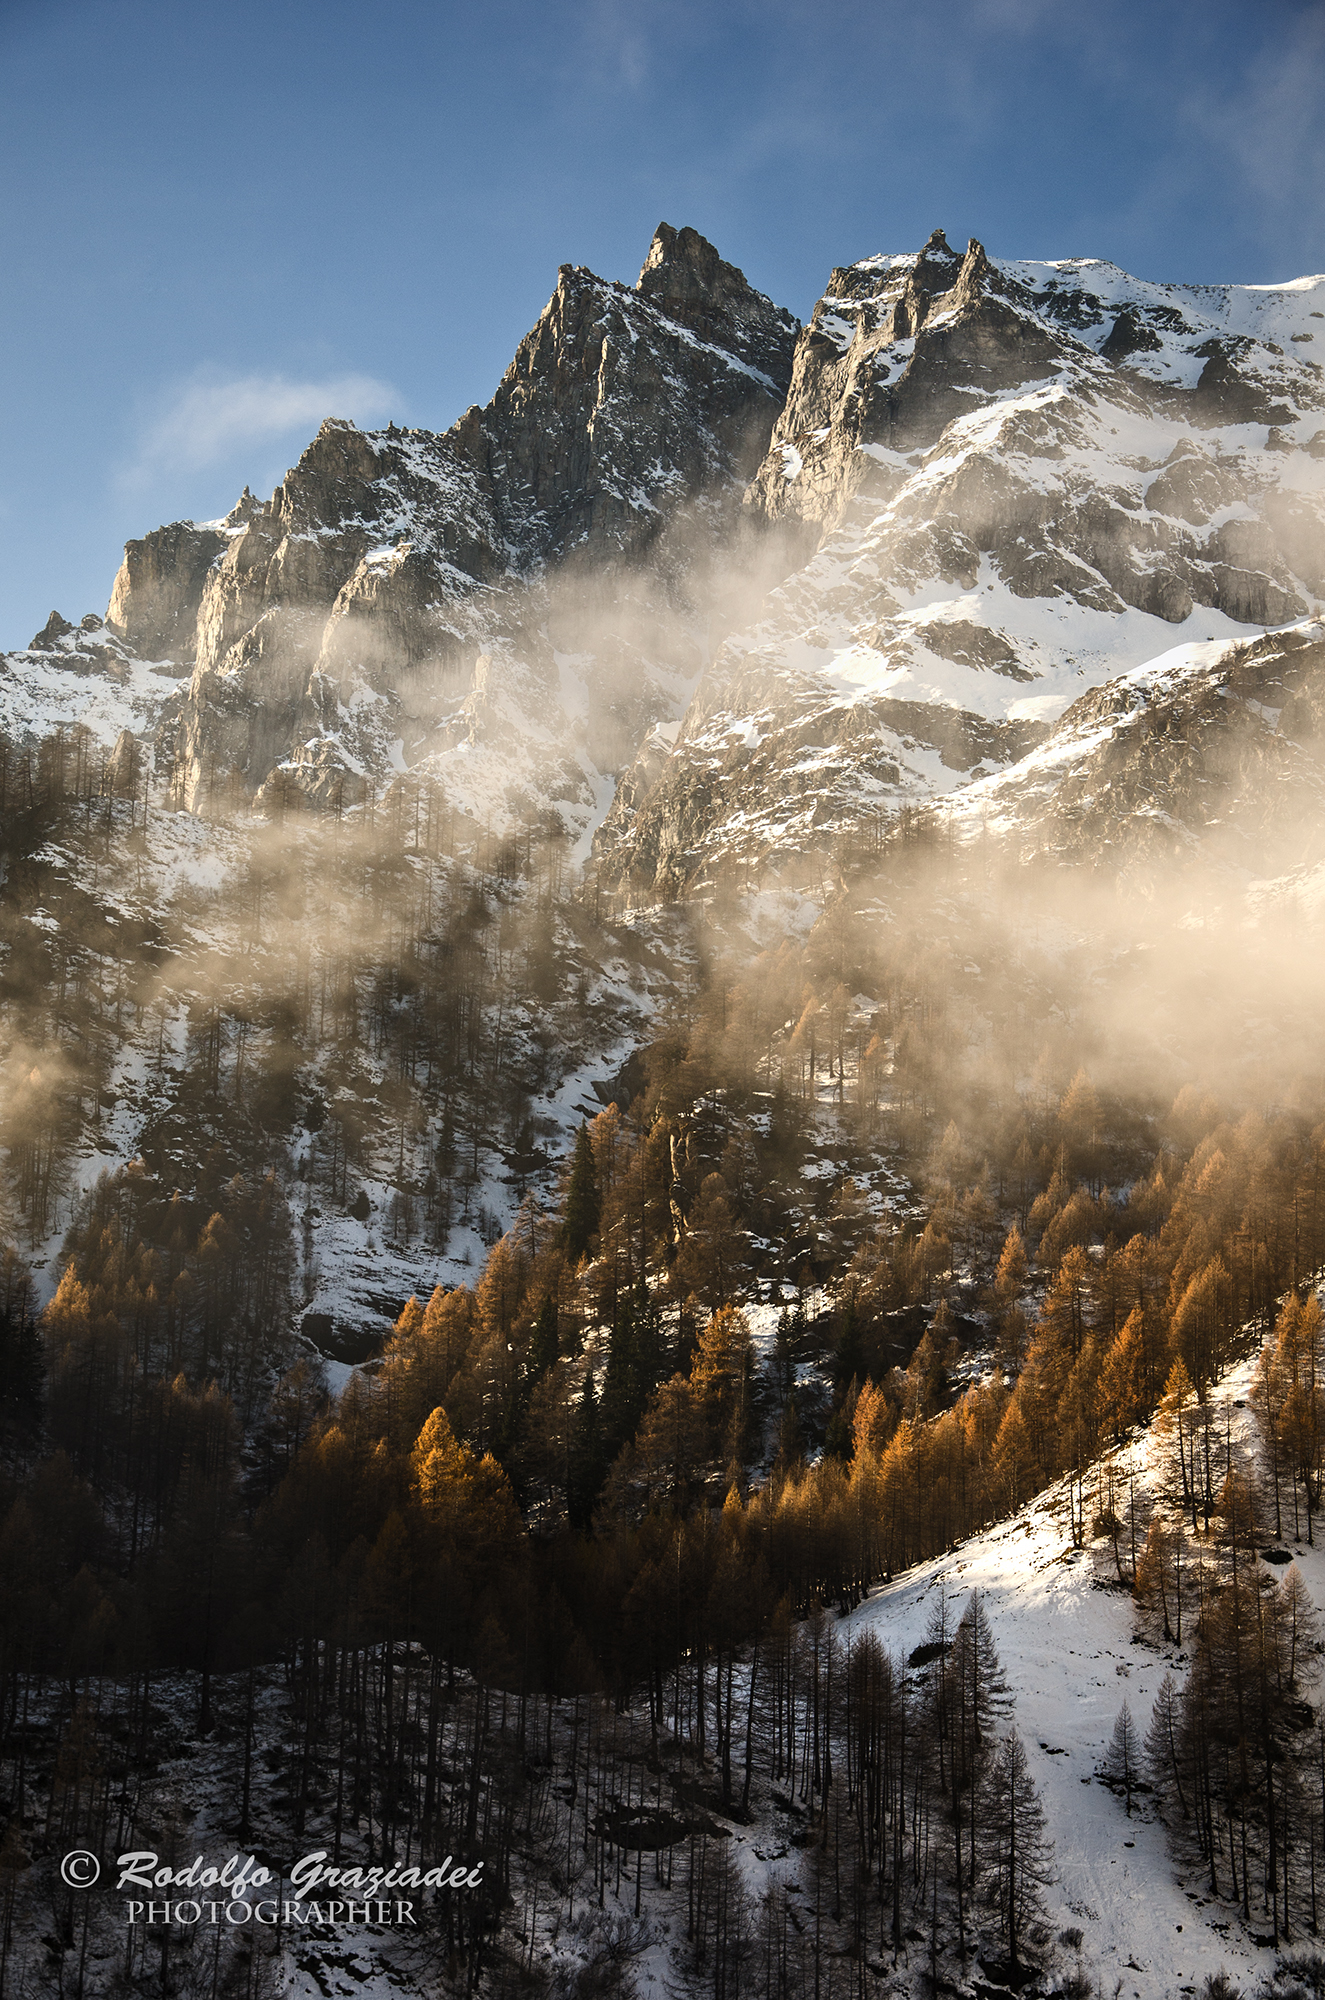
(1008, 483)
(726, 586)
(662, 1173)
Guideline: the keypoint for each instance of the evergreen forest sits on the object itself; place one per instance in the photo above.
(808, 1251)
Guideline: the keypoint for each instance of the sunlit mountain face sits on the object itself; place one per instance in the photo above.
(662, 1170)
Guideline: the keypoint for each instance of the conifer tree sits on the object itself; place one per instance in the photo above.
(437, 1458)
(1164, 1741)
(671, 1442)
(784, 1364)
(721, 1374)
(1121, 1757)
(544, 1342)
(1122, 1386)
(580, 1223)
(791, 1438)
(849, 1359)
(623, 1398)
(975, 1694)
(1017, 1851)
(714, 1256)
(648, 1335)
(1079, 1114)
(1009, 1284)
(1157, 1588)
(22, 1371)
(1173, 1422)
(588, 1461)
(873, 1421)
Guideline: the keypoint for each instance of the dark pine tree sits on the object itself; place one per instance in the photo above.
(849, 1359)
(650, 1354)
(588, 1459)
(623, 1391)
(544, 1342)
(580, 1224)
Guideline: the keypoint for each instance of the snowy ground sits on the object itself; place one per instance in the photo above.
(1070, 1656)
(999, 804)
(1069, 1652)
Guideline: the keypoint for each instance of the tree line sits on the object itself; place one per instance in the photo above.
(578, 1480)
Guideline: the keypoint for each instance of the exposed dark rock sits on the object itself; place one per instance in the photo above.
(1192, 486)
(398, 562)
(685, 277)
(970, 645)
(869, 554)
(1225, 394)
(55, 629)
(1130, 335)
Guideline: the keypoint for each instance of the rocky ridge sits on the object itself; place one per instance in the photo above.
(1212, 753)
(927, 523)
(404, 594)
(1008, 482)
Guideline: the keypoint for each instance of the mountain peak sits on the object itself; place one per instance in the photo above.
(683, 268)
(686, 279)
(55, 629)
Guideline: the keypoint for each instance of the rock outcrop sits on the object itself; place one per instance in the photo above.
(1006, 482)
(716, 589)
(403, 587)
(1212, 753)
(159, 587)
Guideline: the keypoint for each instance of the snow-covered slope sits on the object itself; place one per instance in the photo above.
(1068, 1647)
(1212, 751)
(1010, 482)
(81, 677)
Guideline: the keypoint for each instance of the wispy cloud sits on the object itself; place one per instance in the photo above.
(1275, 130)
(210, 416)
(622, 44)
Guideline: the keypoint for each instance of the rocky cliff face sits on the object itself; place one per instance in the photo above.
(402, 594)
(1008, 482)
(966, 494)
(154, 603)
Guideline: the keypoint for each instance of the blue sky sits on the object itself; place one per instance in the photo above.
(219, 225)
